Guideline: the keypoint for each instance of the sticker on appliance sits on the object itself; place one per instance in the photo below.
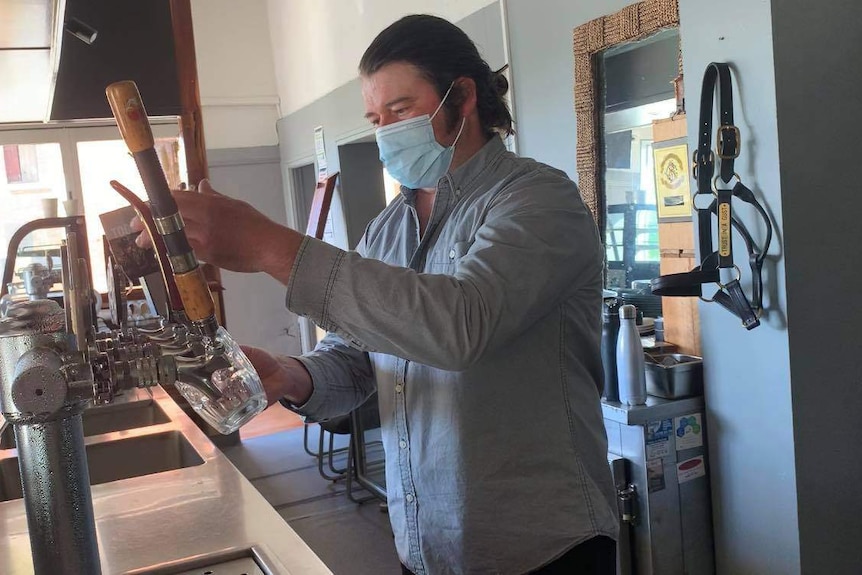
(655, 475)
(690, 469)
(658, 434)
(688, 431)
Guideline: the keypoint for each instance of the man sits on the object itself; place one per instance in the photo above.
(472, 307)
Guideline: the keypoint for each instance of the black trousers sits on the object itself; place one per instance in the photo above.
(596, 556)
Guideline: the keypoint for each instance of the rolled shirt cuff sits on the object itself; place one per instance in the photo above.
(312, 279)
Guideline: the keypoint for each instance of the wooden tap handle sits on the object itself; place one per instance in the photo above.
(131, 116)
(128, 109)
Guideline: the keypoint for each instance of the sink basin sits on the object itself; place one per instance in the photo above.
(115, 460)
(107, 418)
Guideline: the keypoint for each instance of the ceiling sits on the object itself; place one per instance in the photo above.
(134, 42)
(26, 31)
(48, 75)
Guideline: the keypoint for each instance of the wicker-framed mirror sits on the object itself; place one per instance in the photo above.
(632, 23)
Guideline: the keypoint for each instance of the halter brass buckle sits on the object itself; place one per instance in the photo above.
(719, 142)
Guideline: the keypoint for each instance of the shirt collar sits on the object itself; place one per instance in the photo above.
(464, 175)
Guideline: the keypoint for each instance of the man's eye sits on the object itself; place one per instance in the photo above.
(400, 111)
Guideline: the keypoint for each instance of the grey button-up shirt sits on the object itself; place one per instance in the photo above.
(482, 339)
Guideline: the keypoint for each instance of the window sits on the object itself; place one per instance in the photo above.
(42, 167)
(28, 193)
(631, 244)
(393, 188)
(22, 164)
(100, 162)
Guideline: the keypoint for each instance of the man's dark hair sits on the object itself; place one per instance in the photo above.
(443, 52)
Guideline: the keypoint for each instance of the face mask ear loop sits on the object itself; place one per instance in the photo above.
(446, 95)
(463, 122)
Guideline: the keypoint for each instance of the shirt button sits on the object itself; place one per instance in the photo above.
(398, 388)
(409, 498)
(402, 444)
(452, 254)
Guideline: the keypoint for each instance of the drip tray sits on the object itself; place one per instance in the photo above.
(228, 562)
(244, 566)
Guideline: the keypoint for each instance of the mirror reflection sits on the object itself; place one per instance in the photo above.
(636, 85)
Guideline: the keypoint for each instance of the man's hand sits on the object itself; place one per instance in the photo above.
(281, 376)
(232, 235)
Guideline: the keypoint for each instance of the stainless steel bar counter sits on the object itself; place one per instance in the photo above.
(166, 500)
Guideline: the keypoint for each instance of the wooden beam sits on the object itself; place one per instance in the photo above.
(191, 120)
(676, 245)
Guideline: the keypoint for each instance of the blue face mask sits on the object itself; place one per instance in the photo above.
(410, 152)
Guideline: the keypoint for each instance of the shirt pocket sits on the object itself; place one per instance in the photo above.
(445, 258)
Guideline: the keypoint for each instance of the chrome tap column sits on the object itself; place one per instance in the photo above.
(53, 364)
(43, 392)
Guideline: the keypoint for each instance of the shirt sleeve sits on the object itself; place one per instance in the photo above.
(341, 376)
(537, 247)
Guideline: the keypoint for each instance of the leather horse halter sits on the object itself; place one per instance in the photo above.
(717, 191)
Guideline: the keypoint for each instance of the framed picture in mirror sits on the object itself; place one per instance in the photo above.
(673, 191)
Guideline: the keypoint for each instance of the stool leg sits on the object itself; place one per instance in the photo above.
(320, 458)
(305, 441)
(339, 472)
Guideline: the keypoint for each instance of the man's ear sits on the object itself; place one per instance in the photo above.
(466, 95)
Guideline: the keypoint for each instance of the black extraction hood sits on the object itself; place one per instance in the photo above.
(133, 41)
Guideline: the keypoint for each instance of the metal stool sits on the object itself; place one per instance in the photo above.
(358, 470)
(331, 427)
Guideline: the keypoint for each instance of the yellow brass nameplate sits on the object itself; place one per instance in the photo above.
(724, 230)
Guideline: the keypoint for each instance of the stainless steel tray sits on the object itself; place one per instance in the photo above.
(674, 375)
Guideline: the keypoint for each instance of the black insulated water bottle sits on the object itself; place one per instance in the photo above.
(610, 332)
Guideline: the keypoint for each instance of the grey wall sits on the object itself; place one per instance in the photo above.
(817, 57)
(750, 412)
(342, 116)
(254, 303)
(540, 45)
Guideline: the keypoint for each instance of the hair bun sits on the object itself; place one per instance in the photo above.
(500, 83)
